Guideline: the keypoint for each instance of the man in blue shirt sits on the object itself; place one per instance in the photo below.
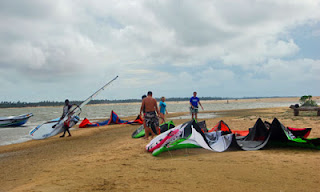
(194, 101)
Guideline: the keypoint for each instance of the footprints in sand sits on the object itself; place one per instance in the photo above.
(104, 185)
(163, 169)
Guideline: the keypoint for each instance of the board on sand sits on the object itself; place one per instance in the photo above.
(54, 127)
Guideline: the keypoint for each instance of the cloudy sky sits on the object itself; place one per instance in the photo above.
(52, 50)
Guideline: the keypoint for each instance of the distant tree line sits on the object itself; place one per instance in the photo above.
(8, 104)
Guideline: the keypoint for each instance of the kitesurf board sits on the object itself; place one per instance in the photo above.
(45, 130)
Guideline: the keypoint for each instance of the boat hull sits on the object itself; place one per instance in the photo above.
(15, 121)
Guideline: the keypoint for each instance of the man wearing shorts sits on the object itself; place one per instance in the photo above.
(194, 101)
(66, 126)
(149, 104)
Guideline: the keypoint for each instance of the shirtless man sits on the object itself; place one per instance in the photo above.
(150, 107)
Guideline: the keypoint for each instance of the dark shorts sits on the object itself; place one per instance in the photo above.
(151, 119)
(194, 109)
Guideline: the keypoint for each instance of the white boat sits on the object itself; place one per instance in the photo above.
(14, 121)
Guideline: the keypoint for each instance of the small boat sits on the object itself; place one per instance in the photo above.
(14, 121)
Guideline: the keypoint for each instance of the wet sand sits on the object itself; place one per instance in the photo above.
(108, 159)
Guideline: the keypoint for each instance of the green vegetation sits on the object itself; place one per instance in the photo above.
(306, 101)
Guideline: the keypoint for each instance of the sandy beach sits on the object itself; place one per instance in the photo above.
(107, 159)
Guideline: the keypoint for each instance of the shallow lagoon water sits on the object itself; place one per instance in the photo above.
(43, 114)
(200, 116)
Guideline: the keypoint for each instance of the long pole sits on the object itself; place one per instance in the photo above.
(96, 93)
(76, 110)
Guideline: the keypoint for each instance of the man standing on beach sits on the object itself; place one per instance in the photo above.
(143, 110)
(194, 101)
(66, 126)
(149, 105)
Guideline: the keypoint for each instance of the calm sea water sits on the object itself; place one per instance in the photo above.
(42, 114)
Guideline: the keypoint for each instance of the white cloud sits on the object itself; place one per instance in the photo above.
(294, 71)
(166, 45)
(253, 53)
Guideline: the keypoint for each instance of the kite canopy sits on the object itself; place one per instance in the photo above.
(253, 139)
(221, 138)
(281, 135)
(257, 137)
(297, 132)
(300, 132)
(189, 135)
(203, 126)
(163, 127)
(86, 123)
(221, 126)
(114, 119)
